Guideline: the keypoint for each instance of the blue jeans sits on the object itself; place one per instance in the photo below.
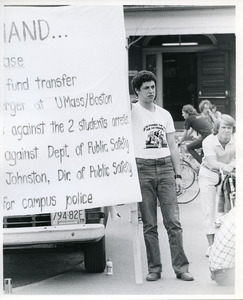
(156, 177)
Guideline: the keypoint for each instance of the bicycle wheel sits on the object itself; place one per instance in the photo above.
(190, 184)
(188, 174)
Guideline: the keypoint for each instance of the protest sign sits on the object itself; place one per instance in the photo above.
(67, 126)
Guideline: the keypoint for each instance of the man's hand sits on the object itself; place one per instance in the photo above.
(227, 169)
(179, 185)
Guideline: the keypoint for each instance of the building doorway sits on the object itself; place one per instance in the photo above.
(179, 82)
(189, 69)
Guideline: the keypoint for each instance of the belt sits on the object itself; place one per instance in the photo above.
(211, 169)
(154, 162)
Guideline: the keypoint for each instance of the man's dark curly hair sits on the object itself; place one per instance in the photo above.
(140, 78)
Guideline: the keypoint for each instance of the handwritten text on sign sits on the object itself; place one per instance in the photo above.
(67, 127)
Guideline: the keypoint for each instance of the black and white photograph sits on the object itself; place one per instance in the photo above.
(120, 154)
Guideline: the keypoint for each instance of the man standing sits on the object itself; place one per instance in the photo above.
(158, 167)
(219, 155)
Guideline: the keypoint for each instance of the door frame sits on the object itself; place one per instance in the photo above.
(158, 51)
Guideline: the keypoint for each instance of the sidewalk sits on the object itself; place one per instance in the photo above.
(120, 251)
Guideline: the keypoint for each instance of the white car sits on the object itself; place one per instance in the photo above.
(79, 226)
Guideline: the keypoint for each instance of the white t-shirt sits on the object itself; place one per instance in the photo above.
(149, 131)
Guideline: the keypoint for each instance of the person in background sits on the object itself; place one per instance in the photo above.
(205, 108)
(219, 156)
(222, 254)
(194, 122)
(217, 114)
(158, 165)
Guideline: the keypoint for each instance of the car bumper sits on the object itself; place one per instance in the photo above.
(53, 234)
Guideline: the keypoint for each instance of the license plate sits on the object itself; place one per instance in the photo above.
(68, 217)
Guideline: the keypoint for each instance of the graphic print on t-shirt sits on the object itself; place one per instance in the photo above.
(155, 136)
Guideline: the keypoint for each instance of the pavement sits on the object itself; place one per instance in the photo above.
(29, 265)
(119, 248)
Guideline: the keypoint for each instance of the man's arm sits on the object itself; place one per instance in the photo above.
(175, 157)
(210, 158)
(212, 162)
(212, 116)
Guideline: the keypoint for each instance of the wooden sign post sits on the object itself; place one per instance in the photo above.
(136, 243)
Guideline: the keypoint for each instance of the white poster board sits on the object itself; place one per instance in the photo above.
(67, 125)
